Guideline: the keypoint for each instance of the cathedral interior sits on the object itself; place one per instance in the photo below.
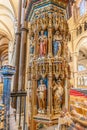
(43, 65)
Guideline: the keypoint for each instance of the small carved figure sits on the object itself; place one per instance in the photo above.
(32, 43)
(55, 47)
(56, 44)
(41, 93)
(57, 36)
(31, 49)
(58, 93)
(42, 44)
(59, 50)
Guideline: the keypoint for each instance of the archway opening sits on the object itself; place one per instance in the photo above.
(82, 66)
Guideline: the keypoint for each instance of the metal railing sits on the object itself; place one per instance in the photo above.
(21, 96)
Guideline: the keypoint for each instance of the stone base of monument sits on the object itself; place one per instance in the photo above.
(45, 121)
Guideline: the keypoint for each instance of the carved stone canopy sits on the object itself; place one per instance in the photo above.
(36, 4)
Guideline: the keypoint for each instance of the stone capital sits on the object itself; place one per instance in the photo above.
(24, 29)
(18, 33)
(75, 54)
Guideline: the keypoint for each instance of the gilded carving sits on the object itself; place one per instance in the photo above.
(41, 94)
(57, 44)
(42, 44)
(48, 36)
(57, 96)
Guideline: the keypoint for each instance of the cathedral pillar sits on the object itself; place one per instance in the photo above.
(10, 52)
(7, 72)
(66, 94)
(33, 105)
(75, 69)
(21, 83)
(50, 36)
(27, 81)
(17, 50)
(22, 62)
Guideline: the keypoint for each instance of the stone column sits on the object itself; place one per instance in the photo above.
(50, 36)
(7, 72)
(10, 52)
(75, 57)
(33, 105)
(21, 83)
(17, 49)
(26, 81)
(35, 95)
(34, 87)
(50, 107)
(22, 62)
(66, 94)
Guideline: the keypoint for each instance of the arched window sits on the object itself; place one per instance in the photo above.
(81, 68)
(82, 7)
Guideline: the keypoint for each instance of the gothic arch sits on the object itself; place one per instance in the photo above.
(7, 9)
(12, 4)
(7, 28)
(80, 41)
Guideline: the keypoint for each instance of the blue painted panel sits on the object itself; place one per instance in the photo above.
(45, 81)
(55, 47)
(6, 92)
(7, 72)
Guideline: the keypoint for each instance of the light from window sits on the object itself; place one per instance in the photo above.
(81, 68)
(82, 7)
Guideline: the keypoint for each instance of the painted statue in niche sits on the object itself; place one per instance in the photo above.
(46, 33)
(57, 94)
(57, 44)
(42, 44)
(55, 47)
(41, 94)
(31, 49)
(32, 42)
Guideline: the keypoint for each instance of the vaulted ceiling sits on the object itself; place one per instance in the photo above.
(8, 21)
